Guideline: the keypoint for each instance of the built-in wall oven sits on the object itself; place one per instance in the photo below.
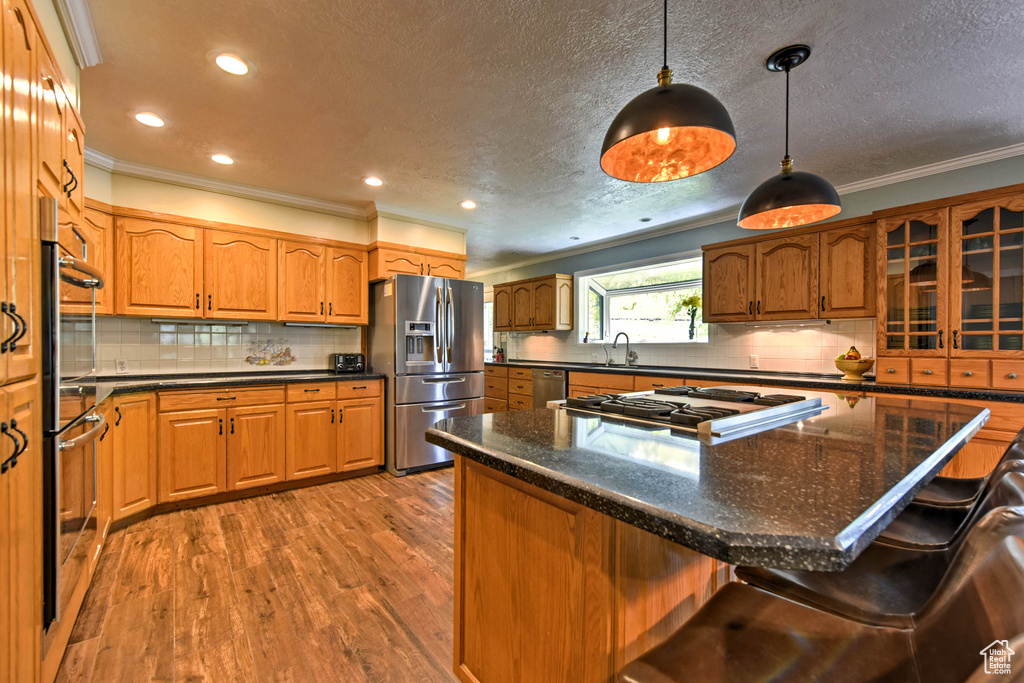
(71, 423)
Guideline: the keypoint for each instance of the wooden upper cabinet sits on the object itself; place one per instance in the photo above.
(502, 307)
(74, 153)
(158, 269)
(302, 273)
(255, 446)
(388, 262)
(51, 109)
(94, 236)
(437, 266)
(787, 278)
(913, 283)
(729, 283)
(846, 280)
(552, 303)
(522, 305)
(348, 293)
(240, 277)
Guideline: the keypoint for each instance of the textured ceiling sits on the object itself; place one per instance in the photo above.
(507, 102)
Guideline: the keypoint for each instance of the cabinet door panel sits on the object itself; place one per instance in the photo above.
(729, 286)
(544, 304)
(256, 446)
(192, 454)
(74, 152)
(302, 270)
(847, 277)
(392, 262)
(312, 440)
(97, 231)
(240, 276)
(359, 434)
(443, 267)
(347, 287)
(158, 268)
(522, 306)
(502, 307)
(134, 461)
(50, 117)
(787, 278)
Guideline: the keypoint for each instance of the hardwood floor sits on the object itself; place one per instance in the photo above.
(348, 581)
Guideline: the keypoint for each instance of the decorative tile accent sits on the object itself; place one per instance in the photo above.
(270, 352)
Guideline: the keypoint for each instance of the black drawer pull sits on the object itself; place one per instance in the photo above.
(311, 390)
(354, 388)
(226, 398)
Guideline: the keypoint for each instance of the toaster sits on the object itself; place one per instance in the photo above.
(348, 362)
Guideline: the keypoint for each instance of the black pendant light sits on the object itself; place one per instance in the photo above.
(669, 132)
(791, 198)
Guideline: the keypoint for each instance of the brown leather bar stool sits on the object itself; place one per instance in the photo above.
(955, 492)
(885, 585)
(746, 634)
(926, 527)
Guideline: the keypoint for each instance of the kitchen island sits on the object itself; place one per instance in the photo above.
(582, 541)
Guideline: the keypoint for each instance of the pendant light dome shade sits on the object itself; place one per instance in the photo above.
(789, 199)
(669, 132)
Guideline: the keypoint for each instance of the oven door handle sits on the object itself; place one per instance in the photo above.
(95, 280)
(100, 421)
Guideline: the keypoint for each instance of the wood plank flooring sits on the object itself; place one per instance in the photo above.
(348, 581)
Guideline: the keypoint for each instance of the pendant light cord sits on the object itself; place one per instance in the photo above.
(787, 109)
(665, 36)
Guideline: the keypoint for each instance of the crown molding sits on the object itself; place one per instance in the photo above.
(76, 19)
(720, 216)
(128, 168)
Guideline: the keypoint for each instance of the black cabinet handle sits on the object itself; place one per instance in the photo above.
(232, 425)
(24, 438)
(117, 409)
(12, 459)
(330, 308)
(311, 391)
(220, 424)
(67, 168)
(74, 186)
(209, 302)
(941, 345)
(226, 398)
(750, 308)
(341, 415)
(321, 308)
(197, 301)
(362, 387)
(823, 302)
(759, 307)
(428, 269)
(5, 342)
(106, 428)
(956, 344)
(9, 343)
(332, 415)
(24, 326)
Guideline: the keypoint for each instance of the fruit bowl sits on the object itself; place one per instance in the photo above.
(854, 369)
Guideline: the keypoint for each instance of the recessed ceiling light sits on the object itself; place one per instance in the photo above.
(223, 159)
(373, 181)
(645, 220)
(232, 64)
(468, 204)
(574, 238)
(149, 119)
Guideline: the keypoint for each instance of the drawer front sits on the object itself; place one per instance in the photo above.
(619, 383)
(969, 373)
(650, 383)
(320, 391)
(225, 397)
(580, 392)
(520, 402)
(1008, 375)
(496, 388)
(495, 371)
(929, 371)
(520, 373)
(523, 387)
(892, 371)
(358, 389)
(495, 405)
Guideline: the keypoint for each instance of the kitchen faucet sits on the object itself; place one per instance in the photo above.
(631, 356)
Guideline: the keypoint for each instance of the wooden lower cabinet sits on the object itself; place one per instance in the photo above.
(312, 448)
(495, 405)
(191, 454)
(134, 454)
(359, 434)
(255, 446)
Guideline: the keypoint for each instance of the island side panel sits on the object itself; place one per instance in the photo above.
(547, 589)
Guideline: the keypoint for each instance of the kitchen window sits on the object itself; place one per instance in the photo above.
(654, 303)
(488, 331)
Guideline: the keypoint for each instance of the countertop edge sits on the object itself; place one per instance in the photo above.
(172, 382)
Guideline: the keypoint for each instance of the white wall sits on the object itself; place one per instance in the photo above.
(50, 23)
(402, 231)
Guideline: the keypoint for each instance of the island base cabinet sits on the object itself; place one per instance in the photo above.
(255, 446)
(191, 455)
(359, 434)
(312, 448)
(548, 590)
(134, 454)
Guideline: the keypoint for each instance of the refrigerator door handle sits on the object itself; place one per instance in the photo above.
(453, 380)
(450, 331)
(438, 327)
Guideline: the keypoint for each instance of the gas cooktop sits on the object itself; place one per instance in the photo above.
(715, 411)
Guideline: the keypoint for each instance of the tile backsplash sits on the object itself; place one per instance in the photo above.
(149, 347)
(779, 349)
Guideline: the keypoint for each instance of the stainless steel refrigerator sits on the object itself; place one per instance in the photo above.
(427, 335)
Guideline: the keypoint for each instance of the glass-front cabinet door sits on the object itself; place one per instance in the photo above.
(912, 288)
(987, 278)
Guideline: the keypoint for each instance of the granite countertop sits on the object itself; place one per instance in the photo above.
(809, 380)
(809, 495)
(128, 384)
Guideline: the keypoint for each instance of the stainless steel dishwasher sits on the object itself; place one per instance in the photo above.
(548, 385)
